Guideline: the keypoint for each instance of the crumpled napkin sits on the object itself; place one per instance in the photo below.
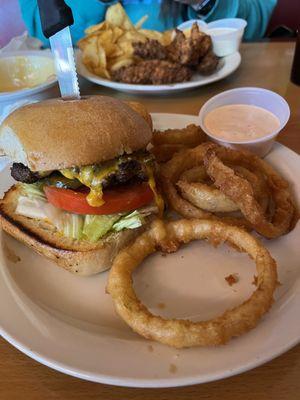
(21, 43)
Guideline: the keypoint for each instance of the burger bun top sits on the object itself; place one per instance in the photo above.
(56, 133)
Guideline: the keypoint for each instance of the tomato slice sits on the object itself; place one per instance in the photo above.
(116, 200)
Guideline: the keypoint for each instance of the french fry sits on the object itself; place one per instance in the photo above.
(107, 46)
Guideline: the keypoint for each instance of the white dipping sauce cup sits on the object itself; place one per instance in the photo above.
(226, 35)
(259, 97)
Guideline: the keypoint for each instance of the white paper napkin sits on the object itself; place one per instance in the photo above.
(21, 43)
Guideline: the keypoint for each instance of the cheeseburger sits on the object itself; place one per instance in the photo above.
(85, 182)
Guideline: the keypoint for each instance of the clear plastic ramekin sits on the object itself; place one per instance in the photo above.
(255, 96)
(226, 35)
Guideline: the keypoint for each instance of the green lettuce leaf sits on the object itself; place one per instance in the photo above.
(33, 191)
(89, 227)
(96, 226)
(72, 225)
(129, 221)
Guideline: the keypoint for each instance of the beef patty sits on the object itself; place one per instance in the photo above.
(129, 171)
(23, 174)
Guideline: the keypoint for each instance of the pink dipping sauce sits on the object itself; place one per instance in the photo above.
(240, 122)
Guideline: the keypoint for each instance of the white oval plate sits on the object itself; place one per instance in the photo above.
(68, 322)
(228, 65)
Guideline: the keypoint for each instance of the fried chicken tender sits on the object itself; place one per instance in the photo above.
(154, 72)
(208, 64)
(188, 51)
(150, 50)
(157, 64)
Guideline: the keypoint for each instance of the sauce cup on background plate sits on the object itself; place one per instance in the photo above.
(226, 34)
(245, 118)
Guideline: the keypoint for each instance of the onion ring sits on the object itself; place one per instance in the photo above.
(206, 197)
(171, 172)
(202, 195)
(192, 135)
(258, 183)
(167, 143)
(241, 192)
(165, 152)
(184, 333)
(195, 174)
(209, 198)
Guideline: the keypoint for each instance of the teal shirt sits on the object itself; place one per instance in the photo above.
(91, 12)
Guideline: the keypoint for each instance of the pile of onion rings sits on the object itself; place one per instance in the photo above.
(184, 333)
(218, 190)
(211, 181)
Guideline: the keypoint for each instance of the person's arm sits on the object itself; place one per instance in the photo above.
(85, 13)
(31, 18)
(256, 12)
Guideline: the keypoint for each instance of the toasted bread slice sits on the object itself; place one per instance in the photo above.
(80, 257)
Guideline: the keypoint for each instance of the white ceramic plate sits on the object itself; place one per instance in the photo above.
(68, 322)
(227, 66)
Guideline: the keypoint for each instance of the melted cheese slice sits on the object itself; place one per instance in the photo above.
(92, 176)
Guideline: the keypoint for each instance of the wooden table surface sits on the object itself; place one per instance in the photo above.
(263, 64)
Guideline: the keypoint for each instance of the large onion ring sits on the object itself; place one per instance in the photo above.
(240, 191)
(170, 174)
(193, 187)
(206, 196)
(184, 333)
